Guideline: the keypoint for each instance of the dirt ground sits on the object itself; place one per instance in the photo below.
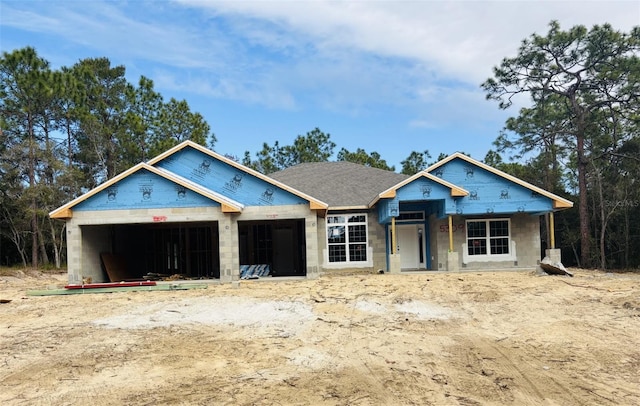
(490, 338)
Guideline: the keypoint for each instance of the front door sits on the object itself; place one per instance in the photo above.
(411, 246)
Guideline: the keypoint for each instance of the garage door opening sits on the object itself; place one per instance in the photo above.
(278, 247)
(190, 250)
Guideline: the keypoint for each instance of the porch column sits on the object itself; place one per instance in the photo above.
(393, 235)
(452, 256)
(450, 233)
(552, 254)
(552, 231)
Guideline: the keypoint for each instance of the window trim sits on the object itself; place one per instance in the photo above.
(418, 219)
(346, 244)
(488, 256)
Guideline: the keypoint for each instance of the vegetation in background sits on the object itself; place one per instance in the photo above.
(584, 90)
(65, 131)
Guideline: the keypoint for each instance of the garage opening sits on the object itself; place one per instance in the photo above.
(274, 248)
(190, 250)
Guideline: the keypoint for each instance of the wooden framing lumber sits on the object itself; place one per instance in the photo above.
(162, 287)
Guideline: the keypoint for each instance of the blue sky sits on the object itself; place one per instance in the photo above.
(386, 76)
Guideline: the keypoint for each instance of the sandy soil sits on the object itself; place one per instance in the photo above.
(488, 338)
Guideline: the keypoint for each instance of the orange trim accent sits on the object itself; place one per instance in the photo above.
(315, 205)
(457, 192)
(229, 209)
(63, 214)
(389, 194)
(559, 204)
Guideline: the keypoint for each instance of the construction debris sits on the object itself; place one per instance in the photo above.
(76, 291)
(553, 268)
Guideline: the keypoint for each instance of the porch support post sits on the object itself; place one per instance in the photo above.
(552, 231)
(450, 233)
(552, 254)
(393, 235)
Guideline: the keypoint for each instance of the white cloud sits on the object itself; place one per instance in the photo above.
(462, 39)
(107, 28)
(428, 57)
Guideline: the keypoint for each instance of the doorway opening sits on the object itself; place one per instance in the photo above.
(277, 245)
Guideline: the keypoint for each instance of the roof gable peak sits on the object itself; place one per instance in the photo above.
(315, 204)
(558, 202)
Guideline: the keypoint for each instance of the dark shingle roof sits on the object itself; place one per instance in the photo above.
(339, 184)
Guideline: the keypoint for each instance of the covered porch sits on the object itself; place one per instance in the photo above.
(408, 212)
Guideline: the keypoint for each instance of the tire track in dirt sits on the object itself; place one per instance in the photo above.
(515, 378)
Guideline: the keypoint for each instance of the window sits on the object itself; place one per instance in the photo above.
(488, 237)
(410, 216)
(347, 238)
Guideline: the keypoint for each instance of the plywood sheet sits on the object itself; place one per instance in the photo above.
(115, 265)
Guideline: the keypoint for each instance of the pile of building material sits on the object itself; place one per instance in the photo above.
(553, 268)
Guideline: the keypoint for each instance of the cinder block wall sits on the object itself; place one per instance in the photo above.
(321, 240)
(228, 247)
(85, 243)
(377, 241)
(525, 232)
(438, 253)
(376, 250)
(74, 252)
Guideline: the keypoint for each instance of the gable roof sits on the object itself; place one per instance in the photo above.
(456, 191)
(343, 185)
(228, 205)
(558, 202)
(314, 203)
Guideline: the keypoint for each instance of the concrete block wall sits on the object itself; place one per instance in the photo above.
(228, 249)
(525, 233)
(95, 240)
(438, 258)
(321, 240)
(377, 241)
(313, 256)
(74, 252)
(440, 238)
(376, 250)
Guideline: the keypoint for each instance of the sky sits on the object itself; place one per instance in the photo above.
(390, 77)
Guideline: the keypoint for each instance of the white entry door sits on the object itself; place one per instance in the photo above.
(410, 246)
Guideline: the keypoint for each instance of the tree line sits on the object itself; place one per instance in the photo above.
(581, 130)
(65, 131)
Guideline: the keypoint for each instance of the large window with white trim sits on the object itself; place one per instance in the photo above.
(488, 237)
(347, 238)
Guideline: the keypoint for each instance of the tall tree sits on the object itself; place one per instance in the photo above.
(102, 118)
(26, 99)
(177, 123)
(415, 162)
(315, 146)
(64, 131)
(142, 119)
(360, 156)
(587, 70)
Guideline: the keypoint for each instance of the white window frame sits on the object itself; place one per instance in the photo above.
(509, 256)
(419, 219)
(331, 224)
